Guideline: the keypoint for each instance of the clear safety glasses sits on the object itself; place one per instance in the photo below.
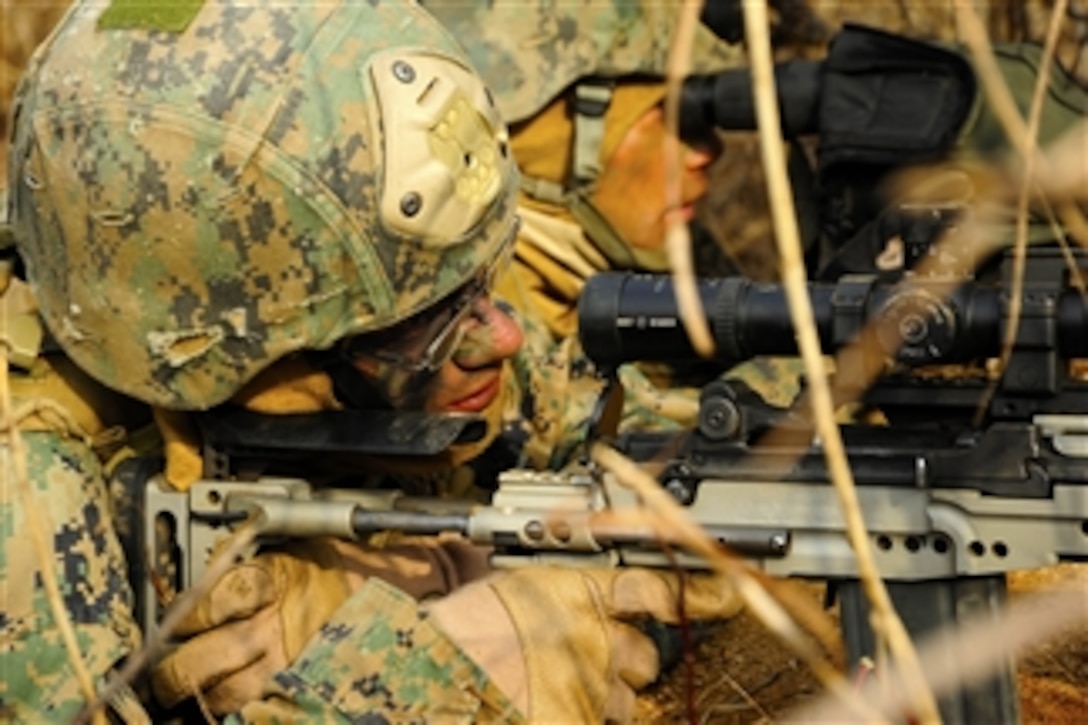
(428, 340)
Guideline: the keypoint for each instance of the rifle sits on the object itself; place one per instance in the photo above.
(969, 478)
(951, 501)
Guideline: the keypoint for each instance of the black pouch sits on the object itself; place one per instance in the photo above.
(888, 100)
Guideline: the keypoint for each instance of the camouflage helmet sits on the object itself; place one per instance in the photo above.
(533, 52)
(528, 51)
(225, 183)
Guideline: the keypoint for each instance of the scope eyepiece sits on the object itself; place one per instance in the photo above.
(724, 101)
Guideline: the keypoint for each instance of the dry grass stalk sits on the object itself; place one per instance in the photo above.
(673, 524)
(1065, 175)
(885, 621)
(202, 703)
(749, 700)
(1067, 179)
(1031, 160)
(980, 240)
(789, 594)
(126, 704)
(238, 544)
(677, 237)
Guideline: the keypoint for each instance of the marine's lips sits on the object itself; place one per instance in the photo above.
(682, 214)
(482, 397)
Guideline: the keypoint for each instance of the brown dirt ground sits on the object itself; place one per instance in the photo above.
(743, 674)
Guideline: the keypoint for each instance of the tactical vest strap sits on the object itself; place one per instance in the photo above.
(600, 231)
(589, 102)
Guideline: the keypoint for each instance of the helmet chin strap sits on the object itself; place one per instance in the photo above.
(600, 231)
(588, 104)
(589, 101)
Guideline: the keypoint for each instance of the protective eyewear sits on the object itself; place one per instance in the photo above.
(430, 339)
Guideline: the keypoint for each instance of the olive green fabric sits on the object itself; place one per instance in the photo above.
(173, 15)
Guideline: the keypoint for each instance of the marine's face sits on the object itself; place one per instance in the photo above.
(469, 381)
(630, 190)
(464, 369)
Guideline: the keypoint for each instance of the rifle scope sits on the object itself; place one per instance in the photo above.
(627, 316)
(724, 101)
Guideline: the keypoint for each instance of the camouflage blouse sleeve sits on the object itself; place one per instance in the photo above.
(62, 501)
(378, 656)
(380, 659)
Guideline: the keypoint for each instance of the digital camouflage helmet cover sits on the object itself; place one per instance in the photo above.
(193, 203)
(528, 51)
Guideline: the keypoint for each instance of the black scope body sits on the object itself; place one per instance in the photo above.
(628, 316)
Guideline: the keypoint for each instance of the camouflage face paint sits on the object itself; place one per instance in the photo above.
(401, 361)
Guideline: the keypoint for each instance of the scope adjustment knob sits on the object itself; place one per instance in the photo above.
(916, 327)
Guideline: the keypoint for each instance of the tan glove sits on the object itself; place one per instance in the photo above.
(259, 616)
(559, 642)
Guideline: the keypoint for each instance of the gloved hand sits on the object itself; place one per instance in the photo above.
(561, 643)
(260, 614)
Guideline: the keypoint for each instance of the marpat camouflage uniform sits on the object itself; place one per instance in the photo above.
(194, 194)
(378, 657)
